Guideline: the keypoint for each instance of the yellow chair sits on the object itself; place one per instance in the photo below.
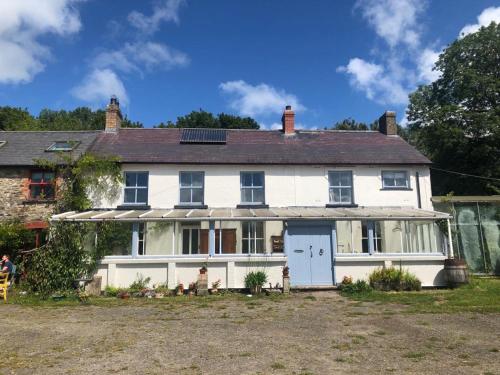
(4, 284)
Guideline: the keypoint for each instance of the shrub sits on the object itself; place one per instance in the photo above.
(255, 278)
(391, 278)
(139, 284)
(111, 291)
(360, 286)
(346, 280)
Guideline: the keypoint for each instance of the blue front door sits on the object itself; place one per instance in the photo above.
(309, 253)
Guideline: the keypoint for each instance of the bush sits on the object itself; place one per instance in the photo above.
(255, 278)
(139, 284)
(360, 286)
(391, 278)
(111, 291)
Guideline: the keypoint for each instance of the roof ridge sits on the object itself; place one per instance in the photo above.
(50, 131)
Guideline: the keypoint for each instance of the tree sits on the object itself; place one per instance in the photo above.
(351, 124)
(204, 119)
(455, 120)
(236, 122)
(81, 118)
(12, 118)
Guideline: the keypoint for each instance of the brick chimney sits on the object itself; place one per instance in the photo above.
(387, 123)
(288, 120)
(113, 116)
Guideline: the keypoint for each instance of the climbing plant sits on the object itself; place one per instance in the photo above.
(71, 252)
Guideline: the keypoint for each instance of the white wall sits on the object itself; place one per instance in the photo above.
(428, 269)
(231, 271)
(284, 185)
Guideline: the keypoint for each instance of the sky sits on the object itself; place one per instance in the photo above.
(330, 60)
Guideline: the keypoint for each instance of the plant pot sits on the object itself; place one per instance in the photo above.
(256, 289)
(214, 291)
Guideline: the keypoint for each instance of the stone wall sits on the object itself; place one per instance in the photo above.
(14, 197)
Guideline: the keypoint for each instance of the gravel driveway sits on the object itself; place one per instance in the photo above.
(304, 333)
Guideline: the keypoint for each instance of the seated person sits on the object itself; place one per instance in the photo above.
(7, 266)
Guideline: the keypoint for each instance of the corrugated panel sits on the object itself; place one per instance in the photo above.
(203, 136)
(359, 213)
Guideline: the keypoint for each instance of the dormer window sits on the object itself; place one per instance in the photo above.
(63, 146)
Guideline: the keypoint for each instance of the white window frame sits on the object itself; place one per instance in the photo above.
(252, 236)
(190, 228)
(191, 187)
(253, 187)
(136, 188)
(340, 187)
(396, 187)
(141, 238)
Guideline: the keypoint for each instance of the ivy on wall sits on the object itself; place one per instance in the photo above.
(70, 253)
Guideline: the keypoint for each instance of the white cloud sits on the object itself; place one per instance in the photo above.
(261, 99)
(425, 65)
(98, 86)
(22, 23)
(486, 17)
(140, 55)
(165, 11)
(395, 21)
(378, 83)
(272, 126)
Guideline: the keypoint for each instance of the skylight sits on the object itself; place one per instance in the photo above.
(63, 146)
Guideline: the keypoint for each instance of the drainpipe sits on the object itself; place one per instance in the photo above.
(450, 251)
(419, 200)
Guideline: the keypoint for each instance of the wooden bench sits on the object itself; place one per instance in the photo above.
(4, 285)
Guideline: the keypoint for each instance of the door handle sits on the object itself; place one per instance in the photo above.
(310, 249)
(321, 251)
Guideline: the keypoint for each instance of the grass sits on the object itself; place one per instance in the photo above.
(481, 296)
(171, 302)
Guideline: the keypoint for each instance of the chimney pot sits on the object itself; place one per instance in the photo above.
(288, 120)
(113, 116)
(387, 123)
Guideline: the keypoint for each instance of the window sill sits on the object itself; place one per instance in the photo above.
(335, 205)
(133, 207)
(191, 206)
(250, 205)
(397, 188)
(39, 201)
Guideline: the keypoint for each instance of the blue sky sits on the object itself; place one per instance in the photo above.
(163, 58)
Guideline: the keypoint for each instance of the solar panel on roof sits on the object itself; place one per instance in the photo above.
(217, 136)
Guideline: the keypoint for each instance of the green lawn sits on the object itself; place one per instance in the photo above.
(481, 295)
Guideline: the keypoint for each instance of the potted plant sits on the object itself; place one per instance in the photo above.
(215, 286)
(286, 271)
(179, 289)
(203, 270)
(192, 289)
(255, 280)
(123, 294)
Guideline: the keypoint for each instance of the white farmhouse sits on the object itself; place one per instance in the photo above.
(326, 203)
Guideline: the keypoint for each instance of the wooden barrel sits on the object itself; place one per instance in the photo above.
(456, 272)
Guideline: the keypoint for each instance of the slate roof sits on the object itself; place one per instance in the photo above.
(23, 147)
(260, 147)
